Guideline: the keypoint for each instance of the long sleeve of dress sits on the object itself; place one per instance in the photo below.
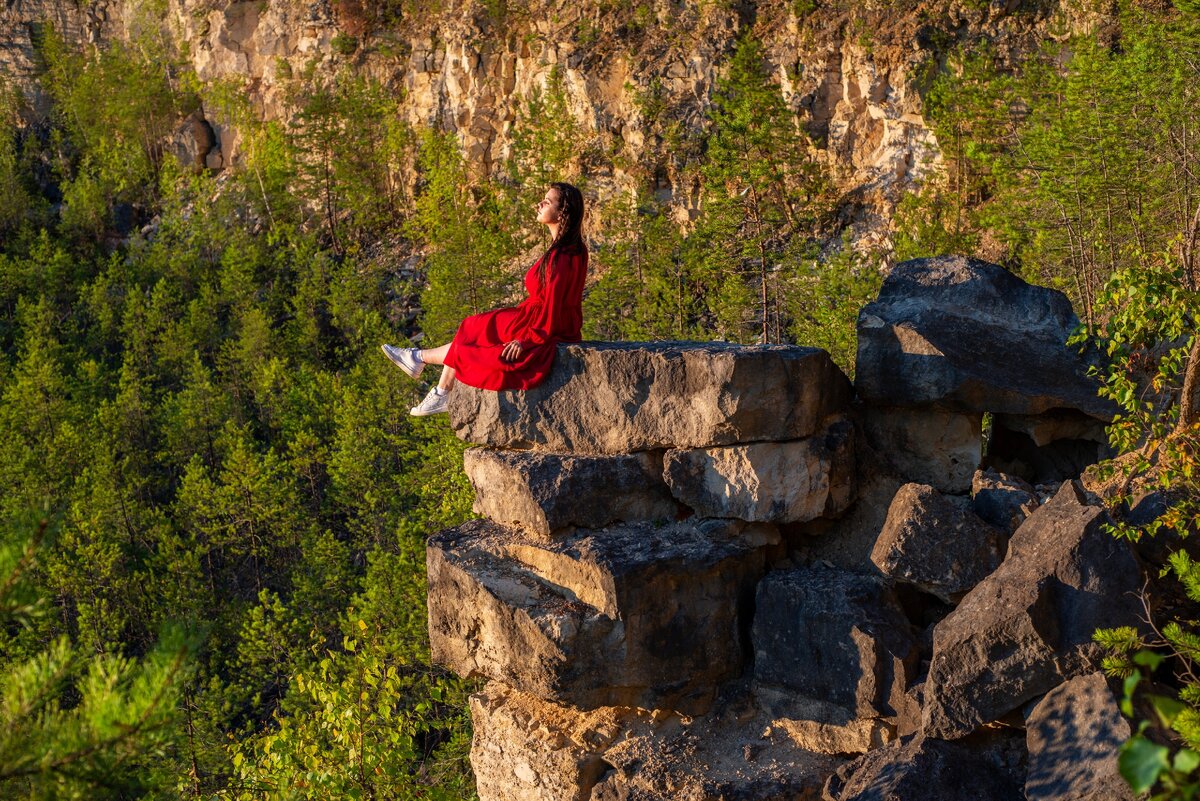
(556, 318)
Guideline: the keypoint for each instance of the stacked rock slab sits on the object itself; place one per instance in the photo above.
(633, 504)
(953, 338)
(705, 573)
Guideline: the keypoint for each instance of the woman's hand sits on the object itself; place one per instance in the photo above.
(511, 352)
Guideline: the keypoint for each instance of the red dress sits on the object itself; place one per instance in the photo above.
(551, 314)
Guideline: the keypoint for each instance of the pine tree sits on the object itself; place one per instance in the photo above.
(762, 193)
(639, 293)
(468, 252)
(77, 724)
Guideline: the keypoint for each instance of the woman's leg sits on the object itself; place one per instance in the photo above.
(446, 382)
(435, 355)
(438, 356)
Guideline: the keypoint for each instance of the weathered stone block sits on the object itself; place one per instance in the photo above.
(634, 615)
(829, 646)
(626, 397)
(936, 545)
(545, 492)
(1073, 735)
(970, 336)
(928, 446)
(777, 482)
(1028, 626)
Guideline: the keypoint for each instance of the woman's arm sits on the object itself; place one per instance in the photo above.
(553, 314)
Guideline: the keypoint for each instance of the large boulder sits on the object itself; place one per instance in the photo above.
(830, 646)
(777, 482)
(936, 545)
(626, 397)
(925, 769)
(927, 445)
(972, 337)
(1073, 735)
(1028, 626)
(633, 615)
(547, 492)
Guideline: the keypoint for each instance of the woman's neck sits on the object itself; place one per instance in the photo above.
(553, 231)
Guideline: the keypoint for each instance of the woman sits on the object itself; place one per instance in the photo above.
(514, 348)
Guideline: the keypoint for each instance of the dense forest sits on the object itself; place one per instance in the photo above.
(214, 501)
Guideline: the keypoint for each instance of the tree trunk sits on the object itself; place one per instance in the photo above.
(1189, 401)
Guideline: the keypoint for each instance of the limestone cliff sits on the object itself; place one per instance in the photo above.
(853, 72)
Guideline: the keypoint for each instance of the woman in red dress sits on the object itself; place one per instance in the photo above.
(514, 348)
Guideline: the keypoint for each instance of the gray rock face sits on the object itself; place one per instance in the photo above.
(1073, 735)
(1002, 500)
(928, 446)
(544, 492)
(829, 646)
(924, 769)
(635, 615)
(625, 397)
(972, 337)
(936, 545)
(1028, 626)
(777, 482)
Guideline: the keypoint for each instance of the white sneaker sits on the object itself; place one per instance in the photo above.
(433, 403)
(407, 359)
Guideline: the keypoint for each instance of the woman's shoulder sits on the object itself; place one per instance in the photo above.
(563, 255)
(576, 253)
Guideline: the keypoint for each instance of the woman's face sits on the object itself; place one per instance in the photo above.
(547, 207)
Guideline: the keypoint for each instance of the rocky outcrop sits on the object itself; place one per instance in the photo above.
(1028, 627)
(584, 593)
(952, 339)
(935, 545)
(706, 582)
(610, 398)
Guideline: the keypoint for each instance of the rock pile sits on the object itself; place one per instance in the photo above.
(708, 572)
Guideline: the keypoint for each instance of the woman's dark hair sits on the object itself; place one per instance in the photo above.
(570, 225)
